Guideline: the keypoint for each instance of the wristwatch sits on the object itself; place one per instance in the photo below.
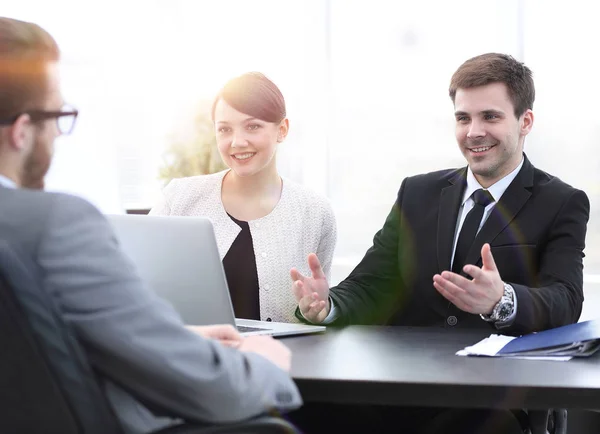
(504, 308)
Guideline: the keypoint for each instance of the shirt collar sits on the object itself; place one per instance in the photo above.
(6, 182)
(496, 190)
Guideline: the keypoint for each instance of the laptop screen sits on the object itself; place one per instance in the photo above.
(178, 258)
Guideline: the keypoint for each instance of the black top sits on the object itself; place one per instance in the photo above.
(240, 269)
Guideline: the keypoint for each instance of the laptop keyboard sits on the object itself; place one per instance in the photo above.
(244, 329)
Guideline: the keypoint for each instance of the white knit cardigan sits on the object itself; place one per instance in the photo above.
(302, 222)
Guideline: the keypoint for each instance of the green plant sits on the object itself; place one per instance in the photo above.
(194, 153)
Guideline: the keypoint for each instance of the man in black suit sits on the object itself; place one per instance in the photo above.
(497, 244)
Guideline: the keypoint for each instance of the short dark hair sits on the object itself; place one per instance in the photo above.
(497, 68)
(254, 94)
(25, 51)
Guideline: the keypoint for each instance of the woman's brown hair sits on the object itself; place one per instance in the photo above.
(254, 94)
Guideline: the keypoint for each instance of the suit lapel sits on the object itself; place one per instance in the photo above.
(511, 202)
(450, 199)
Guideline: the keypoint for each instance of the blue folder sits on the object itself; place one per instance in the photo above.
(581, 339)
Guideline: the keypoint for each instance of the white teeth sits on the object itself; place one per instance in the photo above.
(244, 156)
(482, 149)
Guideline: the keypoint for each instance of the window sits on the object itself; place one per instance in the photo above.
(365, 83)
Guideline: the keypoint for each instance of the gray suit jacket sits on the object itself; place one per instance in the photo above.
(134, 340)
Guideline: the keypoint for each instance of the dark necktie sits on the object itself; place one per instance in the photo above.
(482, 198)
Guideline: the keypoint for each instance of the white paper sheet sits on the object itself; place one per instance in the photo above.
(491, 345)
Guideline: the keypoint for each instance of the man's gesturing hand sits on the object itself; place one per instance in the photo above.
(312, 293)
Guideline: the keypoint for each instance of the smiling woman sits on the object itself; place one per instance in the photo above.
(264, 224)
(250, 121)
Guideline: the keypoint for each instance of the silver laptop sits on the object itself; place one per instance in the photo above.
(178, 258)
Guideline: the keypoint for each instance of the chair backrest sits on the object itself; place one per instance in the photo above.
(46, 382)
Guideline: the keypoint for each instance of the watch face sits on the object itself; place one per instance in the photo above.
(505, 310)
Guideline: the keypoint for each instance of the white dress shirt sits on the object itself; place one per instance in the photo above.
(496, 190)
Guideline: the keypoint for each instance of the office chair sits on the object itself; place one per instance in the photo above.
(46, 382)
(552, 421)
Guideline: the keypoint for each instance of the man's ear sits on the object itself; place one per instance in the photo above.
(20, 133)
(526, 122)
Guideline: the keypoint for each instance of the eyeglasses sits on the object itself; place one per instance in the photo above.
(65, 118)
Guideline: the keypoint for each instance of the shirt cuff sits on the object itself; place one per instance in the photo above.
(332, 313)
(329, 318)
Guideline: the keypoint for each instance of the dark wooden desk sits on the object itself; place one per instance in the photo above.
(409, 366)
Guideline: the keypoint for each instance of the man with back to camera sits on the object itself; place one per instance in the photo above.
(135, 341)
(496, 245)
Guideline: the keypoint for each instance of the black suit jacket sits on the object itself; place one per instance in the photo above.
(537, 236)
